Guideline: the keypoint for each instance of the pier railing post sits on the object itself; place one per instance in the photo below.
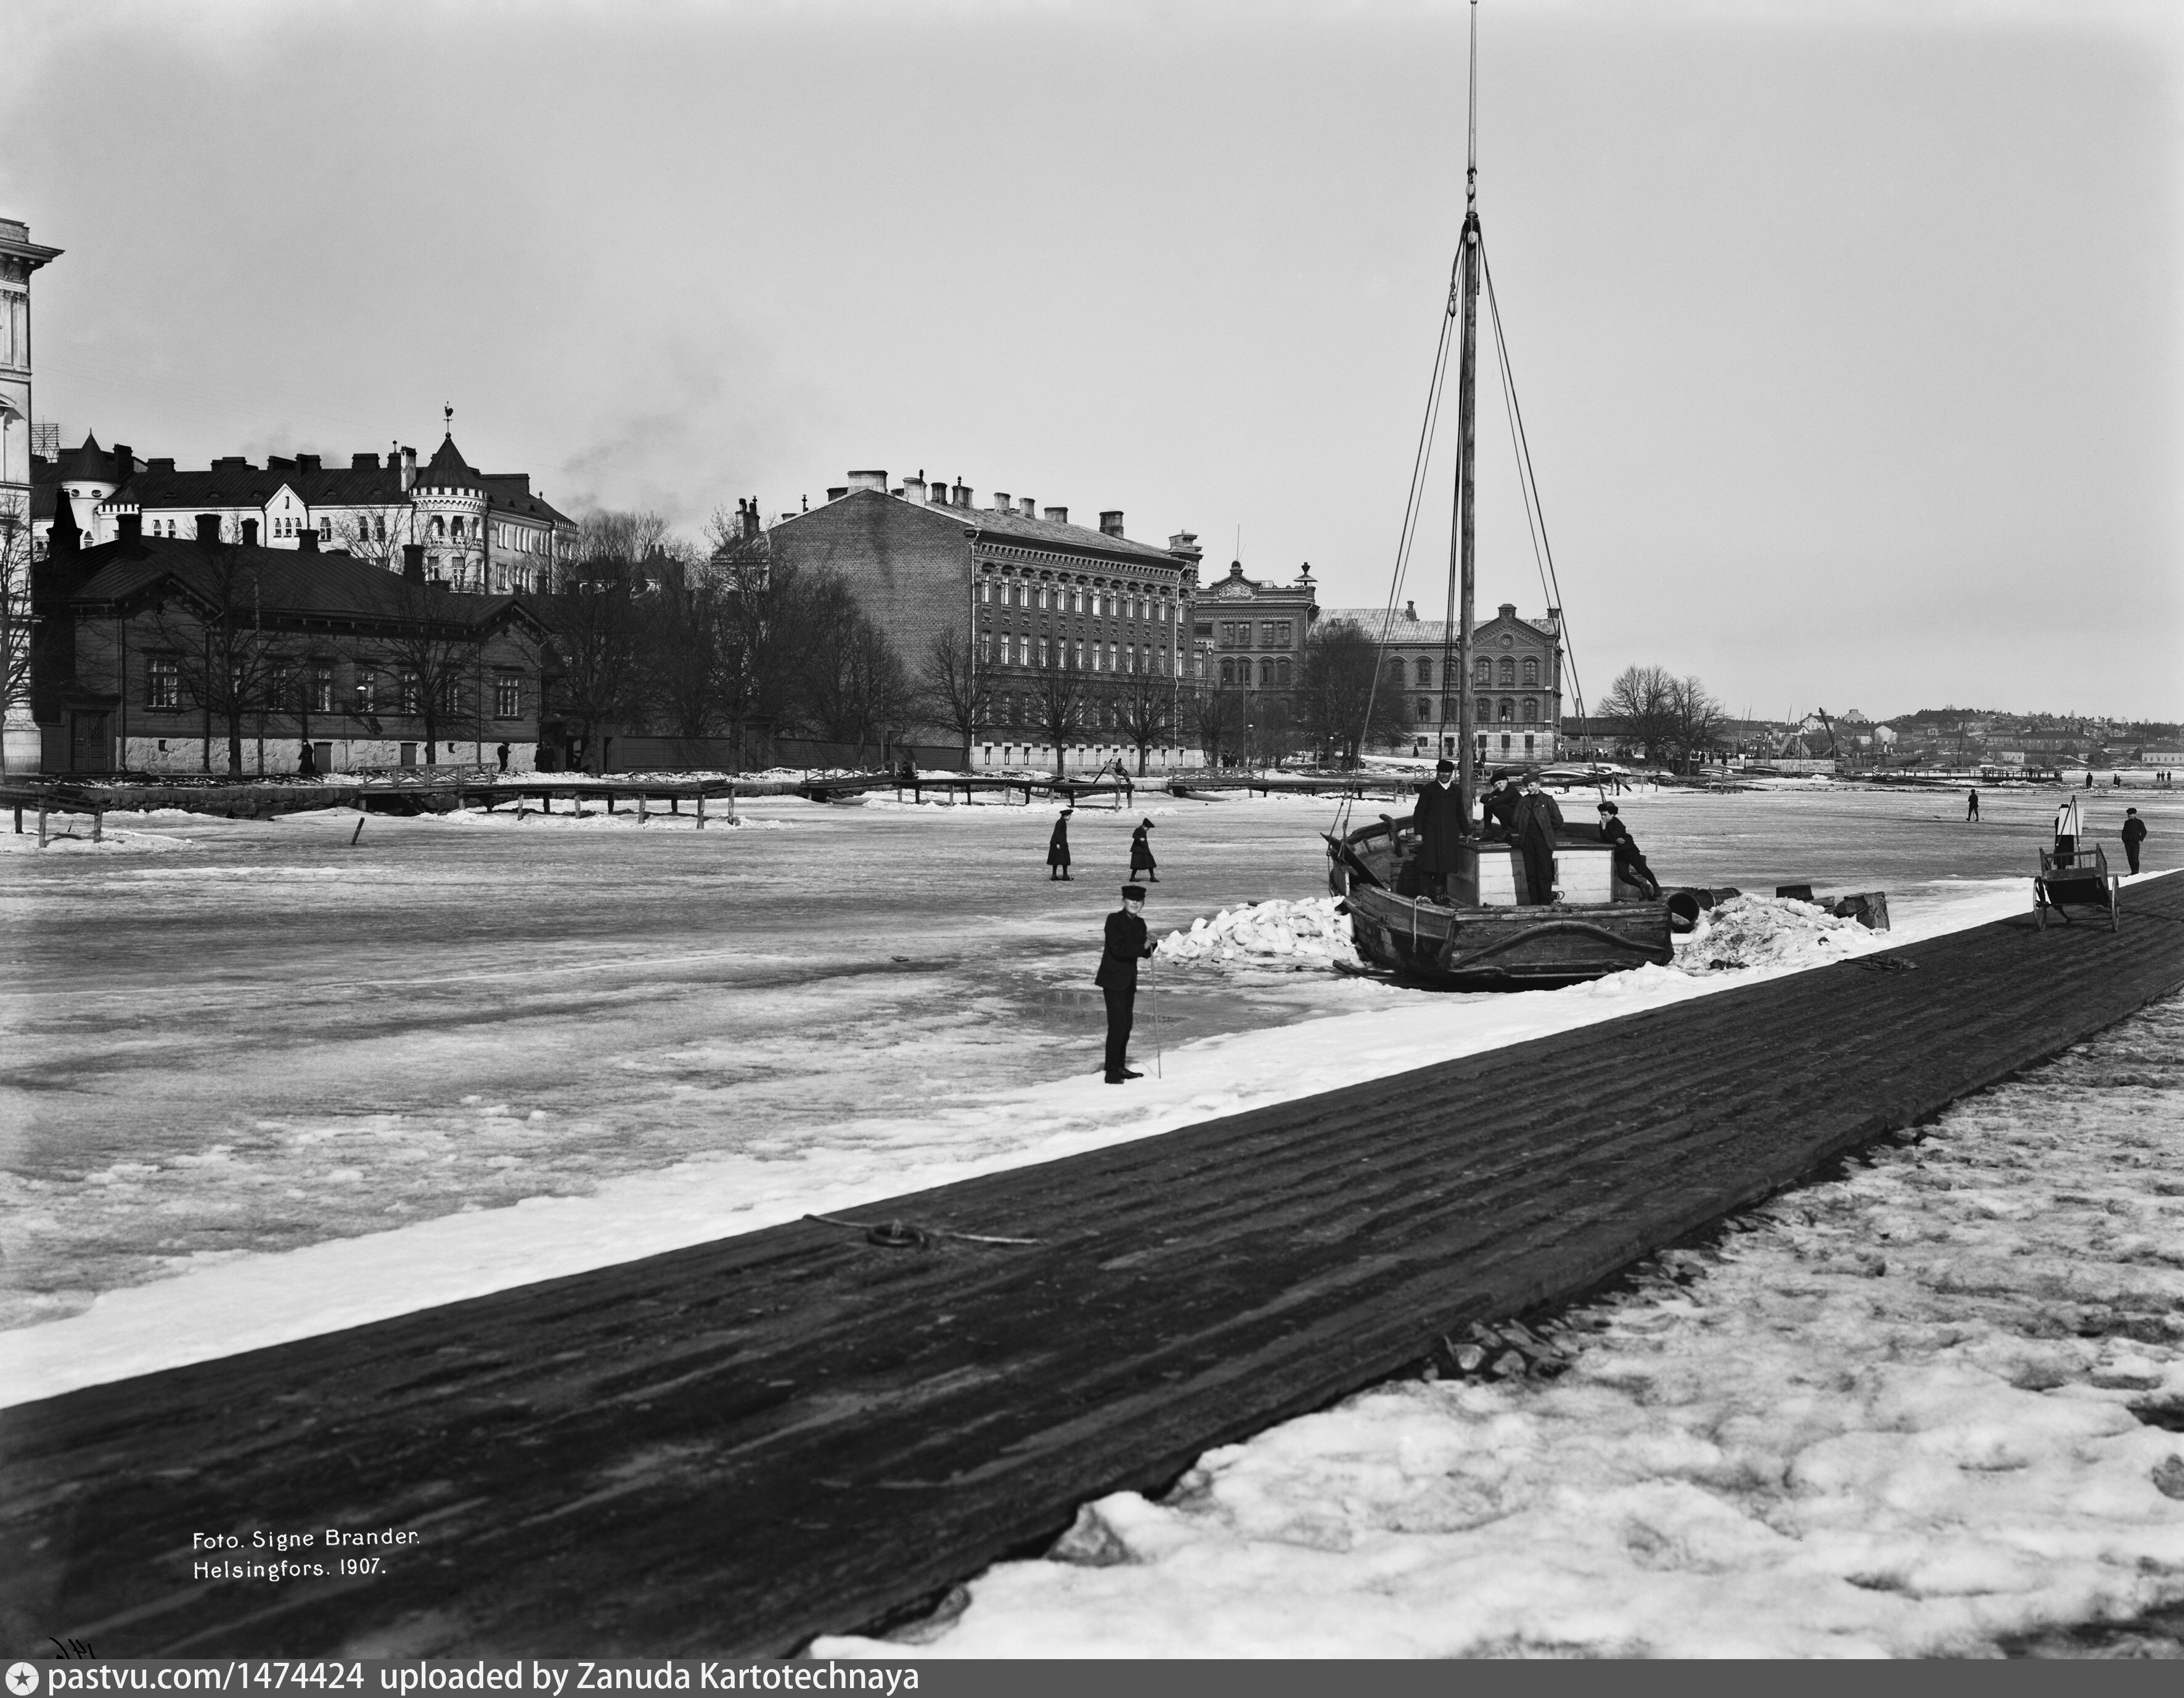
(701, 810)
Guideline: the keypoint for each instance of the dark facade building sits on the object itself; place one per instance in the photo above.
(1516, 680)
(1248, 642)
(1024, 591)
(152, 653)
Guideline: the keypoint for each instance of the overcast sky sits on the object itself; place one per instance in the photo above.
(1847, 335)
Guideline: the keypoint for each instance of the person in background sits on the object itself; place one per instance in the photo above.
(1141, 853)
(1628, 864)
(502, 753)
(2134, 833)
(1125, 946)
(2069, 826)
(1537, 819)
(1057, 848)
(1500, 808)
(307, 762)
(1971, 807)
(1438, 818)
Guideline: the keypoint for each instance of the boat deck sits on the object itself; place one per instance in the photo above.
(726, 1450)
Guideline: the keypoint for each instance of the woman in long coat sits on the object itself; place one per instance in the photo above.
(1141, 853)
(1057, 847)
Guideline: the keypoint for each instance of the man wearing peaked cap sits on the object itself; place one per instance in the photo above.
(1141, 853)
(1125, 947)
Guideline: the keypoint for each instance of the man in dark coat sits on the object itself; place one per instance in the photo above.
(2134, 833)
(1537, 821)
(307, 762)
(502, 753)
(1971, 807)
(1439, 820)
(1125, 947)
(1629, 862)
(1057, 848)
(1141, 853)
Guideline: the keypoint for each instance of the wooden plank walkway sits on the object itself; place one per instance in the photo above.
(724, 1450)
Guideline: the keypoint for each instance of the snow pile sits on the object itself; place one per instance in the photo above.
(1932, 1409)
(72, 836)
(1767, 931)
(1300, 936)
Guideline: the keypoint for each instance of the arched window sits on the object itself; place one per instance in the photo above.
(439, 526)
(1508, 710)
(1425, 673)
(1531, 710)
(1395, 672)
(1265, 674)
(1532, 670)
(1425, 710)
(455, 526)
(1282, 674)
(325, 530)
(1508, 670)
(379, 530)
(1482, 672)
(1482, 710)
(1227, 672)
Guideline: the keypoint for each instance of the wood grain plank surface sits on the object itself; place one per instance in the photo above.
(726, 1448)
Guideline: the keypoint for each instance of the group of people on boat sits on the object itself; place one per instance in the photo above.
(1517, 811)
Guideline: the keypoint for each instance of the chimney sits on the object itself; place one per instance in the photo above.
(962, 494)
(869, 480)
(837, 491)
(364, 462)
(750, 519)
(408, 470)
(307, 541)
(208, 529)
(308, 462)
(130, 527)
(413, 562)
(1110, 522)
(166, 464)
(1057, 516)
(65, 539)
(1001, 502)
(1411, 612)
(913, 488)
(125, 462)
(250, 533)
(1028, 508)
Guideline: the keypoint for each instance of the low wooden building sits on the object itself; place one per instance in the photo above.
(215, 653)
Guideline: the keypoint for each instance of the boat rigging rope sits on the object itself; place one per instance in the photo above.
(1413, 507)
(1535, 514)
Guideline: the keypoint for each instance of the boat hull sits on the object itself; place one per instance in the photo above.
(1461, 947)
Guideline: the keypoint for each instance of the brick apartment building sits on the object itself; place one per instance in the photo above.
(1027, 590)
(1249, 637)
(1516, 680)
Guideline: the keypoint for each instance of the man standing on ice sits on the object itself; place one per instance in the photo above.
(1972, 808)
(2134, 833)
(1439, 820)
(1125, 947)
(1057, 848)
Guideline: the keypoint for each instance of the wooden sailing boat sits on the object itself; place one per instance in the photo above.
(1487, 929)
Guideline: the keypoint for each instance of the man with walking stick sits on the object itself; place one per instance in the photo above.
(1126, 945)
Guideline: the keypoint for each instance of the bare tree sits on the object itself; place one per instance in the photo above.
(593, 675)
(1342, 703)
(1638, 702)
(437, 660)
(1696, 718)
(15, 626)
(957, 689)
(1144, 712)
(1217, 719)
(686, 657)
(376, 534)
(1059, 701)
(225, 659)
(855, 688)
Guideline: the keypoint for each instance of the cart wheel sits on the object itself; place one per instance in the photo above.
(2040, 912)
(2115, 903)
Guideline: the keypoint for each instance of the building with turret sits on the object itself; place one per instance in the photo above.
(19, 257)
(483, 531)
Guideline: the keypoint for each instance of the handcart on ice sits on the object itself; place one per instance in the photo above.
(2073, 878)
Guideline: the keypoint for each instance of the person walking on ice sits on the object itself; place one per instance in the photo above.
(1057, 848)
(1125, 946)
(1971, 807)
(1141, 853)
(2134, 833)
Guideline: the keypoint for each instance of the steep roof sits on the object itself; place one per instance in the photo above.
(286, 581)
(1047, 533)
(448, 470)
(510, 492)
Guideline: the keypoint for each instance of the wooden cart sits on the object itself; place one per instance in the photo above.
(2079, 879)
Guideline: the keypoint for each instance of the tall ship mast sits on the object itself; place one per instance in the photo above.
(1514, 899)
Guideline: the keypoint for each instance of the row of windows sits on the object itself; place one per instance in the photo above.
(1273, 673)
(313, 686)
(1273, 634)
(1023, 651)
(1482, 672)
(1482, 710)
(1013, 707)
(1071, 598)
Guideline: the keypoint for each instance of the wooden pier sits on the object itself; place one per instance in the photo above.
(726, 1450)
